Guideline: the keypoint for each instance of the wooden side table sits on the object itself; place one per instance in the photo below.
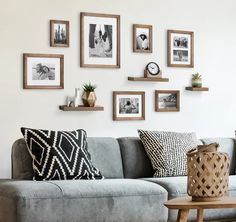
(184, 204)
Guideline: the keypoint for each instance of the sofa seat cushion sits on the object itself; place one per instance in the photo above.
(83, 200)
(177, 187)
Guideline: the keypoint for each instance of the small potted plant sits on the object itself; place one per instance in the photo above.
(89, 97)
(196, 80)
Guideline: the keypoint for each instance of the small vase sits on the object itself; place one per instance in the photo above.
(197, 83)
(89, 99)
(76, 98)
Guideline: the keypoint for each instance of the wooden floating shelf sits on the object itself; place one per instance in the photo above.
(197, 88)
(81, 108)
(149, 79)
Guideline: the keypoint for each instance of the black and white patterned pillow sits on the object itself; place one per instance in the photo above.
(60, 155)
(167, 151)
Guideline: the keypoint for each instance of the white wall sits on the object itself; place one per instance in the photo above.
(24, 27)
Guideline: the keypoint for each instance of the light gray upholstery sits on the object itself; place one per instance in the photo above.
(21, 161)
(227, 145)
(102, 200)
(136, 163)
(177, 187)
(105, 154)
(109, 200)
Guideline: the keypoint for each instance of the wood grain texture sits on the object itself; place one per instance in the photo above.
(34, 55)
(169, 63)
(190, 88)
(115, 93)
(82, 40)
(148, 79)
(187, 203)
(67, 23)
(81, 108)
(200, 215)
(172, 109)
(135, 26)
(182, 215)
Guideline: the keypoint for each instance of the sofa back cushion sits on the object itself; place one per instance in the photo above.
(136, 163)
(228, 146)
(105, 155)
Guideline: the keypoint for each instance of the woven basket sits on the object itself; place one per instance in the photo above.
(208, 173)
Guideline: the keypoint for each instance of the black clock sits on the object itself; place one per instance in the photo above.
(153, 69)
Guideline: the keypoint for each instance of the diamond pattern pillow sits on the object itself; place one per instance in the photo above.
(167, 151)
(60, 155)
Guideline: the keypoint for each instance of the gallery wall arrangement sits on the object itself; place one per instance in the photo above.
(100, 48)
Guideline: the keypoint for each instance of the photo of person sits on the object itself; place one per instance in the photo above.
(128, 105)
(142, 39)
(100, 40)
(180, 42)
(180, 48)
(180, 55)
(43, 71)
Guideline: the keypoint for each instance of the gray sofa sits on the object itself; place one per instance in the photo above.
(129, 193)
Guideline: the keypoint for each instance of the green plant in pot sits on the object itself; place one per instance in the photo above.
(196, 80)
(89, 97)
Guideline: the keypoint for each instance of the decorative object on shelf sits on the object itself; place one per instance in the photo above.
(59, 33)
(142, 38)
(208, 173)
(128, 105)
(76, 98)
(196, 80)
(152, 73)
(99, 40)
(152, 70)
(180, 46)
(89, 97)
(167, 101)
(43, 71)
(81, 108)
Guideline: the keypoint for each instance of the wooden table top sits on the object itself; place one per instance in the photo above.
(187, 203)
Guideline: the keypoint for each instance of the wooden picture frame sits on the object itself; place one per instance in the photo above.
(128, 105)
(167, 100)
(99, 40)
(180, 48)
(142, 38)
(59, 33)
(43, 71)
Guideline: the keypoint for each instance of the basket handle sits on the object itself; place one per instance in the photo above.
(212, 147)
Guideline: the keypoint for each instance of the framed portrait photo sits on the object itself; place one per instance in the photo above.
(59, 33)
(99, 40)
(43, 71)
(128, 105)
(180, 46)
(167, 101)
(142, 38)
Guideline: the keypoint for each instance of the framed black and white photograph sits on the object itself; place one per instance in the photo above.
(180, 48)
(99, 40)
(167, 101)
(59, 33)
(43, 71)
(142, 38)
(128, 105)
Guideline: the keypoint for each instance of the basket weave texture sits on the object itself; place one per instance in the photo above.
(208, 173)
